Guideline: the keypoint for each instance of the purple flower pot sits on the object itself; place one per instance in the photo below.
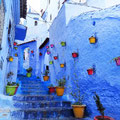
(118, 61)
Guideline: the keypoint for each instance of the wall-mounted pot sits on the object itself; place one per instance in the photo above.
(63, 43)
(92, 40)
(48, 52)
(90, 71)
(47, 47)
(74, 55)
(40, 54)
(51, 45)
(50, 62)
(62, 65)
(14, 43)
(16, 54)
(55, 57)
(32, 51)
(11, 59)
(15, 48)
(117, 60)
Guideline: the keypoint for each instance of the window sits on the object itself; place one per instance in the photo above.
(36, 23)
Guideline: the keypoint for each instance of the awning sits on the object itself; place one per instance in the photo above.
(20, 32)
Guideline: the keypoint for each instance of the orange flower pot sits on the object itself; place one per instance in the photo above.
(16, 55)
(92, 40)
(78, 110)
(45, 78)
(60, 91)
(11, 59)
(62, 65)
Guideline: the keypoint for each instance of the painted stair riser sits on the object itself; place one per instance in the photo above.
(33, 98)
(33, 89)
(28, 105)
(42, 114)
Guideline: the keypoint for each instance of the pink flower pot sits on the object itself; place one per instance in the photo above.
(47, 47)
(48, 52)
(51, 45)
(118, 61)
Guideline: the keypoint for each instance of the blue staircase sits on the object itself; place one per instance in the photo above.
(33, 102)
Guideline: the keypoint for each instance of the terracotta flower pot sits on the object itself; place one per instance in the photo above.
(60, 91)
(90, 71)
(106, 118)
(11, 59)
(78, 110)
(92, 40)
(51, 45)
(117, 61)
(55, 57)
(45, 78)
(74, 55)
(51, 90)
(63, 43)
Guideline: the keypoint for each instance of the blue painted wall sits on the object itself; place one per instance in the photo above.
(105, 25)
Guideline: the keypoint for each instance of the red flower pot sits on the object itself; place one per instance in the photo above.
(90, 71)
(51, 90)
(74, 55)
(32, 51)
(51, 45)
(118, 61)
(14, 43)
(107, 118)
(55, 57)
(40, 54)
(47, 47)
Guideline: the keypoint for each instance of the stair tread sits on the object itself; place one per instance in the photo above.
(42, 101)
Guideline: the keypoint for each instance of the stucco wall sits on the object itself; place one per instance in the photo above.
(105, 26)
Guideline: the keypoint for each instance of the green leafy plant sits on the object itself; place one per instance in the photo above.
(99, 106)
(46, 72)
(12, 84)
(51, 85)
(61, 82)
(76, 92)
(29, 70)
(116, 58)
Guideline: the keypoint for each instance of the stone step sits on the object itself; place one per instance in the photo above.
(33, 89)
(31, 85)
(33, 97)
(43, 113)
(42, 104)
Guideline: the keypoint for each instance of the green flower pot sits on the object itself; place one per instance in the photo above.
(11, 90)
(50, 62)
(15, 48)
(63, 43)
(29, 74)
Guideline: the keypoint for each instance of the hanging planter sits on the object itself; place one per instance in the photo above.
(14, 43)
(11, 59)
(48, 52)
(32, 51)
(50, 62)
(47, 47)
(92, 40)
(74, 54)
(51, 45)
(40, 54)
(90, 71)
(62, 65)
(63, 43)
(15, 48)
(55, 57)
(16, 54)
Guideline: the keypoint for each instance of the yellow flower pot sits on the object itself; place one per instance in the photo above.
(10, 59)
(92, 40)
(60, 91)
(62, 65)
(45, 78)
(78, 110)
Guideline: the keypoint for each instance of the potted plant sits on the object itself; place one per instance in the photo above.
(63, 43)
(117, 60)
(14, 43)
(78, 106)
(51, 89)
(100, 109)
(29, 70)
(32, 51)
(60, 88)
(74, 54)
(50, 62)
(15, 48)
(11, 59)
(11, 87)
(62, 65)
(55, 57)
(47, 47)
(40, 54)
(90, 71)
(46, 77)
(52, 45)
(48, 52)
(92, 40)
(16, 54)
